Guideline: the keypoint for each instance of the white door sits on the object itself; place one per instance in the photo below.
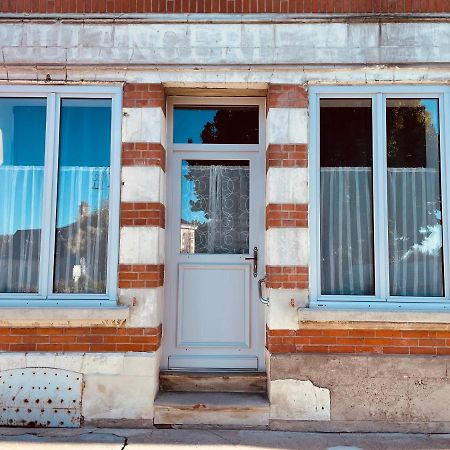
(215, 223)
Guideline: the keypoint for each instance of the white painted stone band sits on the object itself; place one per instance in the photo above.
(141, 245)
(225, 43)
(144, 125)
(143, 184)
(233, 78)
(287, 247)
(287, 126)
(287, 185)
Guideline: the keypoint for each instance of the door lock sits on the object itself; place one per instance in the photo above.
(255, 261)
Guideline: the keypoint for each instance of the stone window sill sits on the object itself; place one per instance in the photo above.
(315, 318)
(69, 317)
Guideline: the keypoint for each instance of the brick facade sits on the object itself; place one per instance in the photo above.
(137, 276)
(287, 155)
(224, 6)
(141, 95)
(80, 339)
(370, 341)
(286, 215)
(143, 154)
(287, 277)
(142, 214)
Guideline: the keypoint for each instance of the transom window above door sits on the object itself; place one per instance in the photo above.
(58, 195)
(379, 190)
(215, 123)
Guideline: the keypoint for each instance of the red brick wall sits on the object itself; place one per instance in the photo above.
(287, 155)
(142, 214)
(286, 215)
(225, 6)
(369, 341)
(135, 276)
(140, 95)
(80, 339)
(287, 277)
(143, 154)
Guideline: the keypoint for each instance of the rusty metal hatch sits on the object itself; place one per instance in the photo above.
(40, 397)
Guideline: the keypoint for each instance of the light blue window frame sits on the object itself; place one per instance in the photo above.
(378, 94)
(53, 96)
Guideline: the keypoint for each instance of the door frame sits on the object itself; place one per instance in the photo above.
(254, 152)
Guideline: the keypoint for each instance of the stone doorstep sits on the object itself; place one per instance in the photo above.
(224, 409)
(251, 382)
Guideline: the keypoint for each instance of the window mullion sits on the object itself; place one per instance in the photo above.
(53, 175)
(48, 182)
(380, 199)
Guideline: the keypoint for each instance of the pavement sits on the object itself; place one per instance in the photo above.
(182, 439)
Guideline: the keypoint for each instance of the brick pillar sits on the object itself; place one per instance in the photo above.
(286, 210)
(142, 221)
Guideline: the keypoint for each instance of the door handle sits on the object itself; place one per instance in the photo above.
(260, 294)
(255, 261)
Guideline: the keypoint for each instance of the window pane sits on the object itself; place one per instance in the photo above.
(414, 198)
(346, 213)
(83, 196)
(226, 125)
(214, 206)
(22, 155)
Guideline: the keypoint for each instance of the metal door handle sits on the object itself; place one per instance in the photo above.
(261, 298)
(255, 261)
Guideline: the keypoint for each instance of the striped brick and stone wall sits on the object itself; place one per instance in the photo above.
(142, 212)
(286, 203)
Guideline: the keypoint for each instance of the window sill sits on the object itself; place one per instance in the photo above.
(63, 316)
(353, 318)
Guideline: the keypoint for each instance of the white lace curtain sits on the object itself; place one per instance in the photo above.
(81, 235)
(223, 194)
(414, 232)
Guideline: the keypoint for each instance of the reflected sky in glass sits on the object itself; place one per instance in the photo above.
(22, 156)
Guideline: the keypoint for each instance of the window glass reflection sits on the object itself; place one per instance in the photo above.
(22, 155)
(414, 197)
(214, 207)
(225, 125)
(83, 196)
(346, 212)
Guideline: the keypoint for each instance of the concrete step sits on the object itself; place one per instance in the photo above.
(223, 409)
(255, 382)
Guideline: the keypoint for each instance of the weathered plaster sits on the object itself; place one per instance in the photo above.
(298, 400)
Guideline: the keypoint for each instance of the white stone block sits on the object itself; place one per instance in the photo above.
(68, 361)
(118, 397)
(102, 363)
(141, 364)
(143, 125)
(34, 55)
(34, 359)
(298, 400)
(287, 185)
(12, 360)
(287, 247)
(145, 305)
(102, 35)
(287, 126)
(141, 245)
(11, 34)
(282, 311)
(142, 184)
